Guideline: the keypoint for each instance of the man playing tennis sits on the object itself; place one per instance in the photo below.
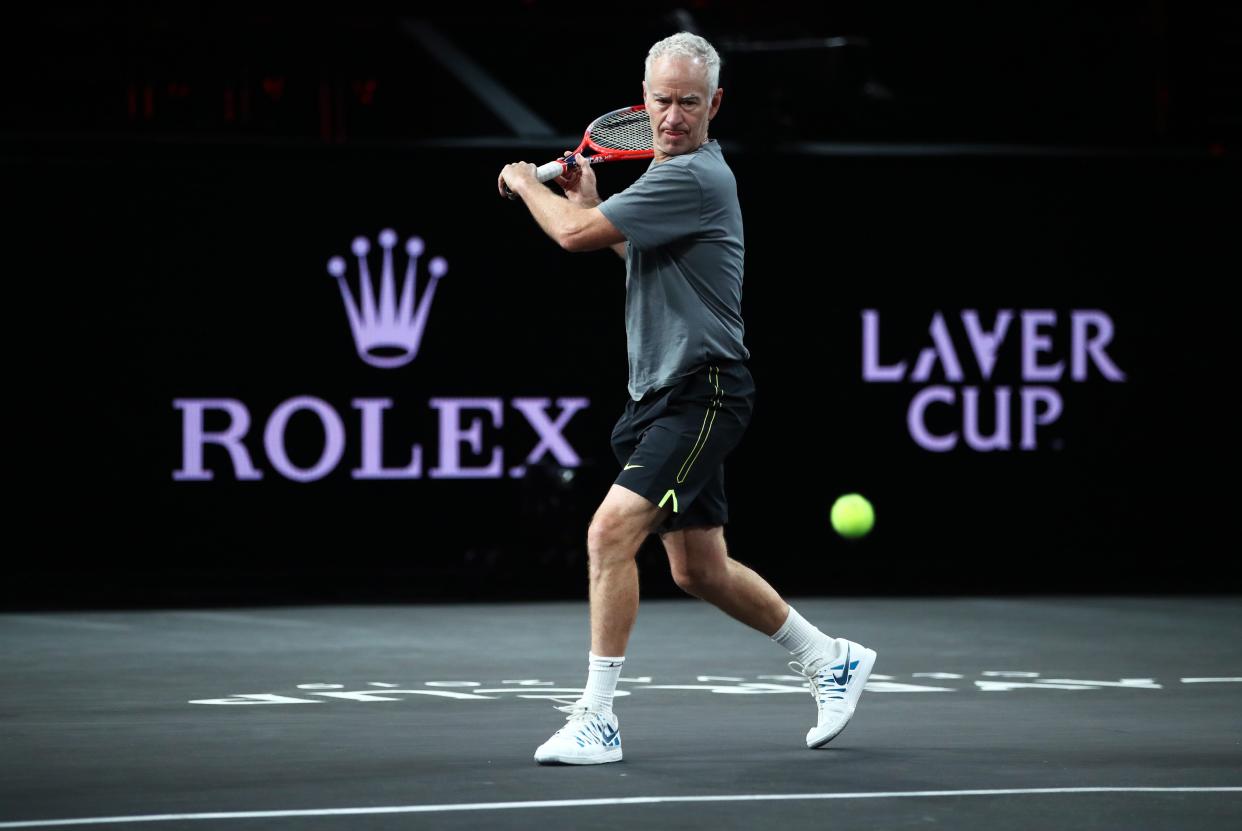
(679, 228)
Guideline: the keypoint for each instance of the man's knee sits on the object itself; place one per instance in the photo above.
(620, 525)
(697, 578)
(604, 532)
(698, 560)
(613, 535)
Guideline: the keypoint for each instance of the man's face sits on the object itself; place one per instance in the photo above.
(676, 96)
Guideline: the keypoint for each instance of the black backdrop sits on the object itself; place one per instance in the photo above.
(167, 272)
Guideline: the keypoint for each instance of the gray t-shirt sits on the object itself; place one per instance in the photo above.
(683, 284)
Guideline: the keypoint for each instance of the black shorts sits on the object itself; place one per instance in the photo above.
(672, 444)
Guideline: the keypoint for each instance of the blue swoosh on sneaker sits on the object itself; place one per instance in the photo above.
(845, 670)
(608, 737)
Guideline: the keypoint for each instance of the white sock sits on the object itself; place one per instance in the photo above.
(803, 640)
(602, 675)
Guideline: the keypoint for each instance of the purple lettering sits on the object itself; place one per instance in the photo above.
(373, 444)
(452, 434)
(1084, 344)
(1032, 417)
(1034, 342)
(550, 435)
(942, 350)
(873, 370)
(917, 422)
(333, 445)
(193, 437)
(999, 440)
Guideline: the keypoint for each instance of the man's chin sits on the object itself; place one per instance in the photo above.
(674, 147)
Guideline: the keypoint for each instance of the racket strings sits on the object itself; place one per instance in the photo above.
(626, 130)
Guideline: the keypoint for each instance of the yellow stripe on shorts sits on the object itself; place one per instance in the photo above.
(709, 418)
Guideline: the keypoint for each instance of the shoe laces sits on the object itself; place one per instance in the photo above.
(577, 710)
(582, 722)
(819, 681)
(579, 713)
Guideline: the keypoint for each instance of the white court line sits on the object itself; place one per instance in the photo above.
(1211, 680)
(580, 803)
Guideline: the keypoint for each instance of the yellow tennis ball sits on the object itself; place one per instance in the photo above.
(852, 516)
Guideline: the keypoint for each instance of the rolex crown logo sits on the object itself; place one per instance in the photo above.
(388, 332)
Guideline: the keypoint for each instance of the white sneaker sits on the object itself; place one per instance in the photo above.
(836, 683)
(589, 737)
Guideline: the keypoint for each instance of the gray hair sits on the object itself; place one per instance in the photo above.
(687, 45)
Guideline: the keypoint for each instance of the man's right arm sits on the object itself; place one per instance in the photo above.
(579, 188)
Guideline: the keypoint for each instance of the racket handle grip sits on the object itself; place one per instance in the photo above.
(545, 173)
(550, 171)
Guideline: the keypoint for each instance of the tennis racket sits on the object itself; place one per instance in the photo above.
(616, 136)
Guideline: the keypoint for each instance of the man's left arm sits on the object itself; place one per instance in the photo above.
(572, 227)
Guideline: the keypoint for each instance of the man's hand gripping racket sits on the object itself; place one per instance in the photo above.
(618, 135)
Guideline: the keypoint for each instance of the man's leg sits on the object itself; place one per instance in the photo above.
(701, 566)
(617, 530)
(592, 734)
(836, 669)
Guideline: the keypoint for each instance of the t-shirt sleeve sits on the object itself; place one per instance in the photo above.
(665, 204)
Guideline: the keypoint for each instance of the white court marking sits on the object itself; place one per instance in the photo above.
(580, 803)
(1230, 680)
